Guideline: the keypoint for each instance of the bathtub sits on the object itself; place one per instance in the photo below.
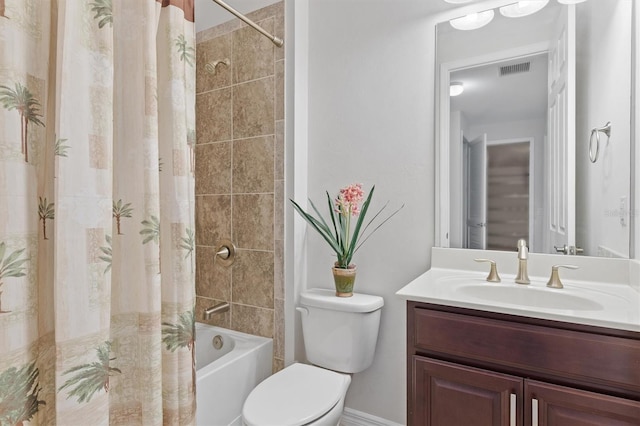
(225, 376)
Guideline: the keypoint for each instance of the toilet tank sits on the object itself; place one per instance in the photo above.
(340, 333)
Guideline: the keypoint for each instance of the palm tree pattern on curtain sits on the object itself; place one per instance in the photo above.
(121, 210)
(45, 211)
(182, 335)
(60, 149)
(21, 99)
(10, 266)
(92, 377)
(90, 332)
(19, 394)
(104, 12)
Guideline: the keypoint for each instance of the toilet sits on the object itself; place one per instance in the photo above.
(340, 335)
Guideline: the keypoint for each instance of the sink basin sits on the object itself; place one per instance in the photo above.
(531, 297)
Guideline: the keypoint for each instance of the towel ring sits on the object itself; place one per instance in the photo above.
(606, 129)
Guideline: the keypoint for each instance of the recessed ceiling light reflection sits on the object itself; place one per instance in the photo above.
(523, 8)
(473, 21)
(456, 88)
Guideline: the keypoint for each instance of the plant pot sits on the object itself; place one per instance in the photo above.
(344, 278)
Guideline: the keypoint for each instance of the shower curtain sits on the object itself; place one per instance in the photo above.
(97, 212)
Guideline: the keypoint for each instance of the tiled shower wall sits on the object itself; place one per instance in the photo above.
(240, 175)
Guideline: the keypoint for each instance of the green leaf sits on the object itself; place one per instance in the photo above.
(317, 226)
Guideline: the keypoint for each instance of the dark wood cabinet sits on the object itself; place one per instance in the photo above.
(551, 405)
(457, 395)
(468, 367)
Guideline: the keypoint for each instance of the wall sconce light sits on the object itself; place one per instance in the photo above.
(473, 21)
(523, 8)
(455, 88)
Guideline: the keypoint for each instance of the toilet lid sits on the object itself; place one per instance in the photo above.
(295, 396)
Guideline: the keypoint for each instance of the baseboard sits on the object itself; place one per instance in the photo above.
(351, 417)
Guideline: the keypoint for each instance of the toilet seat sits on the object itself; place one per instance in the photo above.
(295, 396)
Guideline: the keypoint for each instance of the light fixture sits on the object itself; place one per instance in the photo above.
(472, 21)
(455, 88)
(457, 1)
(570, 1)
(523, 8)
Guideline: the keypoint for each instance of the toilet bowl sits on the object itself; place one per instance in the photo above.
(340, 336)
(299, 395)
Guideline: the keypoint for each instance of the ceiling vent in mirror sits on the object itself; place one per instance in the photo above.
(515, 68)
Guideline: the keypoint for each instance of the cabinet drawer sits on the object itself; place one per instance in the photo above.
(585, 359)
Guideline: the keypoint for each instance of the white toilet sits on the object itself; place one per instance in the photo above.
(340, 337)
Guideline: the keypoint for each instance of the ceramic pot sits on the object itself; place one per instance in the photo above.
(344, 280)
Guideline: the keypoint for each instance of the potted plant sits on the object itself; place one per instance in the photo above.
(345, 211)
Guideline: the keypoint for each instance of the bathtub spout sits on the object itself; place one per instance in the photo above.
(217, 309)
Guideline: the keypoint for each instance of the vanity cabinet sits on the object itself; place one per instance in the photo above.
(469, 367)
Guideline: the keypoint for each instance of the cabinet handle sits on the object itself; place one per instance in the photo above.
(534, 412)
(512, 409)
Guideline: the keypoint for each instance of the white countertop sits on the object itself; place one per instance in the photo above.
(581, 301)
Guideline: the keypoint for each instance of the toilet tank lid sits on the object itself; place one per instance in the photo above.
(327, 299)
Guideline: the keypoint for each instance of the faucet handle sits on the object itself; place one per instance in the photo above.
(554, 280)
(493, 276)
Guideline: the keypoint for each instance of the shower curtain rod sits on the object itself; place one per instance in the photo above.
(275, 40)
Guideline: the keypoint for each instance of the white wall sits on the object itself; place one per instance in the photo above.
(603, 79)
(371, 99)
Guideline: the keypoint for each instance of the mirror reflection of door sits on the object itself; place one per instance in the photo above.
(508, 194)
(476, 194)
(497, 191)
(505, 103)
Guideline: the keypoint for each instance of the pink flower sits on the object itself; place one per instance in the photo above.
(348, 199)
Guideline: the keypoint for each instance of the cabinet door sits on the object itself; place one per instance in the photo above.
(552, 405)
(447, 394)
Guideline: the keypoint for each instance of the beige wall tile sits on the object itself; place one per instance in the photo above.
(278, 172)
(252, 320)
(278, 209)
(221, 320)
(278, 338)
(253, 165)
(213, 168)
(278, 269)
(253, 221)
(278, 364)
(279, 90)
(253, 108)
(253, 278)
(278, 31)
(210, 51)
(213, 280)
(213, 219)
(253, 54)
(213, 115)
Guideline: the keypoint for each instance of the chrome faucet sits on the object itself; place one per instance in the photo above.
(522, 277)
(216, 309)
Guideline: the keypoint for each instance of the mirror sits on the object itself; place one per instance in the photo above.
(514, 156)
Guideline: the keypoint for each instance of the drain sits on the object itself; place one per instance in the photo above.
(217, 342)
